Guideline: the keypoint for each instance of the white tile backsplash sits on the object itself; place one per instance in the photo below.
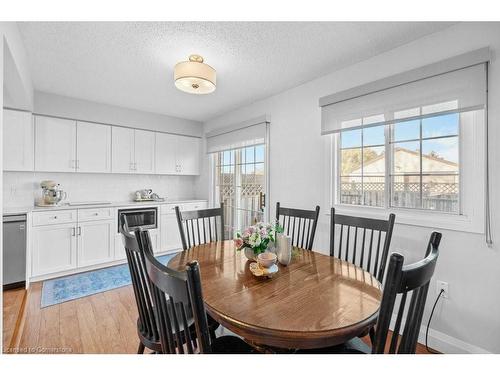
(21, 188)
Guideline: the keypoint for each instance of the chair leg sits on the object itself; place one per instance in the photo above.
(140, 350)
(213, 335)
(372, 335)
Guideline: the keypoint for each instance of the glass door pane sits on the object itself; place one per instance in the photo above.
(240, 184)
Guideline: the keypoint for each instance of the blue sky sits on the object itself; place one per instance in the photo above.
(431, 127)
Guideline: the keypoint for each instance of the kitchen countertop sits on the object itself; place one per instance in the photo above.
(25, 210)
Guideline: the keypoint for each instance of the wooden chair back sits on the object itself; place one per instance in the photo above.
(200, 226)
(368, 249)
(299, 224)
(413, 280)
(178, 303)
(136, 262)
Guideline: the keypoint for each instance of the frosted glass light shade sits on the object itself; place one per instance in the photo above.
(194, 76)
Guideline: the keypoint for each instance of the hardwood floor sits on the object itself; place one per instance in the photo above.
(101, 323)
(13, 302)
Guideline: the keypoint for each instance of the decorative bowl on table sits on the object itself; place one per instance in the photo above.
(267, 259)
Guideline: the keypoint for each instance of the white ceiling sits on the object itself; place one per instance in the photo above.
(131, 64)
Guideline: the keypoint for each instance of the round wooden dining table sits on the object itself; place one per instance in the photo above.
(316, 301)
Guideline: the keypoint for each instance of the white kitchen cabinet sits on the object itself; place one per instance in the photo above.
(53, 248)
(177, 154)
(133, 151)
(95, 242)
(55, 144)
(144, 152)
(93, 148)
(165, 158)
(120, 250)
(122, 150)
(170, 237)
(188, 155)
(18, 141)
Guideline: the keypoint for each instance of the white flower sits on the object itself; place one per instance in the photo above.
(254, 240)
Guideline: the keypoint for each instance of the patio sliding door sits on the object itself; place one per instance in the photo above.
(240, 184)
(239, 157)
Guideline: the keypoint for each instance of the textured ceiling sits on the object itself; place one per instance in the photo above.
(131, 64)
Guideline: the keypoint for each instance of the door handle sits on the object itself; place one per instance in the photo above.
(262, 201)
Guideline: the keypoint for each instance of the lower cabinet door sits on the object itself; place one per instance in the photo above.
(95, 242)
(53, 248)
(120, 249)
(170, 237)
(155, 240)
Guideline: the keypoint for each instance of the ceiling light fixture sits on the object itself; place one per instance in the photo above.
(194, 76)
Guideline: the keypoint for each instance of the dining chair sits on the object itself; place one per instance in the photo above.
(299, 224)
(410, 282)
(200, 226)
(370, 240)
(178, 298)
(147, 329)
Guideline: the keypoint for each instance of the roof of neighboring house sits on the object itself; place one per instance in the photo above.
(415, 153)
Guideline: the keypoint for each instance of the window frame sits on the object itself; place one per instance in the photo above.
(471, 215)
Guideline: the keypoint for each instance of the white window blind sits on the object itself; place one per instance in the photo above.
(430, 88)
(249, 133)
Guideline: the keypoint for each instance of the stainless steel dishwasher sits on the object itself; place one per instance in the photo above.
(14, 251)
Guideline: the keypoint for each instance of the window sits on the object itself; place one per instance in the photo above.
(362, 166)
(406, 164)
(425, 163)
(239, 183)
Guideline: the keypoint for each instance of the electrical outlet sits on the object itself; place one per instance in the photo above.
(444, 286)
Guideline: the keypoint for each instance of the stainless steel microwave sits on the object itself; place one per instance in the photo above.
(146, 218)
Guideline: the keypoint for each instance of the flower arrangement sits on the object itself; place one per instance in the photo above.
(257, 237)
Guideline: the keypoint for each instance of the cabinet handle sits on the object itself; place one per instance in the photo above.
(79, 231)
(73, 232)
(55, 217)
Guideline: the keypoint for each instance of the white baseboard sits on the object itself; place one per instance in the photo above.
(444, 343)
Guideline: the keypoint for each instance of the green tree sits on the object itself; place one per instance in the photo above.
(351, 159)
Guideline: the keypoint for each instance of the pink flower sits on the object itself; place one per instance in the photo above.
(238, 242)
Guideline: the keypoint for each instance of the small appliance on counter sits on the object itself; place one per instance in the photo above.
(147, 195)
(52, 194)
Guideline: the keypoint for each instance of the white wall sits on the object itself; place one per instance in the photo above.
(63, 106)
(299, 166)
(21, 188)
(10, 40)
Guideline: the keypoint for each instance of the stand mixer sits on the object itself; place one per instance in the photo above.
(52, 193)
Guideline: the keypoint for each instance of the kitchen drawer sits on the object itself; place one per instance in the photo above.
(194, 206)
(91, 214)
(169, 209)
(54, 217)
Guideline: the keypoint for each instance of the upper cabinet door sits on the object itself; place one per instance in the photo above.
(188, 155)
(165, 160)
(93, 148)
(55, 144)
(122, 150)
(17, 141)
(144, 152)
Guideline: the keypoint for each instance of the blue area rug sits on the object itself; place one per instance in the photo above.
(84, 284)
